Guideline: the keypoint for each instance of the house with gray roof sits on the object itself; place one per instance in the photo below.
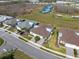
(26, 25)
(4, 18)
(11, 22)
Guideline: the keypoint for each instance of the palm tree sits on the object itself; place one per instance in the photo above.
(8, 55)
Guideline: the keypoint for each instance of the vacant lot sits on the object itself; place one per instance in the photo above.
(51, 18)
(15, 9)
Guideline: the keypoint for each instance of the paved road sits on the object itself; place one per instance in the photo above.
(27, 49)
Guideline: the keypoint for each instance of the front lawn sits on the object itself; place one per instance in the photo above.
(28, 37)
(12, 29)
(1, 41)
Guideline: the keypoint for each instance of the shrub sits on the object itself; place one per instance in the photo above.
(37, 38)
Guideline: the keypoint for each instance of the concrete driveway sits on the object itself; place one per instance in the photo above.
(69, 51)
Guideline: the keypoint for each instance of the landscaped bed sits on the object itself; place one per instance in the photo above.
(12, 29)
(23, 39)
(29, 37)
(26, 37)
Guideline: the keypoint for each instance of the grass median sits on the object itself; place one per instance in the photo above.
(1, 41)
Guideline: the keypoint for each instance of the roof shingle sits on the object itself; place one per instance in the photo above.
(42, 30)
(70, 36)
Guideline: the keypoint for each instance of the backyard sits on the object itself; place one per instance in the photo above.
(51, 18)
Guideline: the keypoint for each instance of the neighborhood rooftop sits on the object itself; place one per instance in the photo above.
(4, 18)
(70, 36)
(27, 24)
(42, 30)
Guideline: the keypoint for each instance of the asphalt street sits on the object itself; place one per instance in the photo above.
(26, 48)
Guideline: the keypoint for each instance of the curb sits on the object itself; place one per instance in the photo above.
(44, 48)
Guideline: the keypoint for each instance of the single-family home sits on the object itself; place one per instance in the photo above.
(69, 38)
(4, 18)
(11, 22)
(25, 25)
(41, 30)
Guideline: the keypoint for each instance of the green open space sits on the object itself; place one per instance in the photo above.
(51, 18)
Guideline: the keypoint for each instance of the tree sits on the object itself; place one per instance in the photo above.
(37, 38)
(8, 55)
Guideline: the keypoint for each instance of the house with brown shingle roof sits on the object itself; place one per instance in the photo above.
(70, 39)
(69, 36)
(41, 30)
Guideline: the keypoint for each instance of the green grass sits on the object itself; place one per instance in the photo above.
(1, 41)
(12, 29)
(23, 39)
(51, 18)
(28, 37)
(52, 43)
(21, 55)
(1, 25)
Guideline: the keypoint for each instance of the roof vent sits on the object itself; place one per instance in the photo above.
(48, 29)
